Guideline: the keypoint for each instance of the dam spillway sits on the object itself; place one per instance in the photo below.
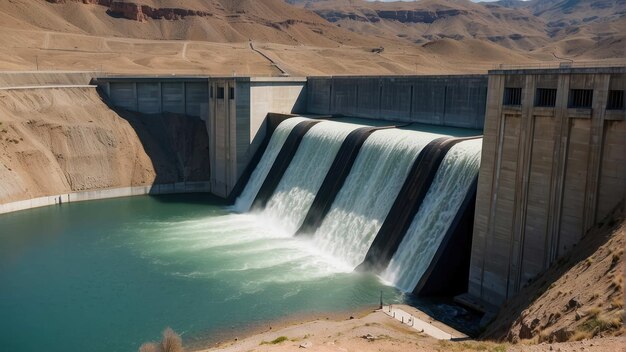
(442, 202)
(293, 197)
(245, 200)
(374, 166)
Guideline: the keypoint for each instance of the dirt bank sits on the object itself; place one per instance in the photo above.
(377, 331)
(55, 141)
(580, 297)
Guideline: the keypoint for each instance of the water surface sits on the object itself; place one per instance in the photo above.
(108, 275)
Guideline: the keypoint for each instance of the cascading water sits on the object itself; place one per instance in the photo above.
(244, 201)
(304, 176)
(366, 197)
(442, 202)
(368, 193)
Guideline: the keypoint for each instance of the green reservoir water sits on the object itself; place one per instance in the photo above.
(108, 275)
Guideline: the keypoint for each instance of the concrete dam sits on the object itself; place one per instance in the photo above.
(292, 183)
(468, 185)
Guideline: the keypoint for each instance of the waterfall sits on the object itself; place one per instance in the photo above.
(292, 198)
(364, 200)
(444, 197)
(368, 193)
(244, 201)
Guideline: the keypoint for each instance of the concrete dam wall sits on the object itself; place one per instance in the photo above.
(455, 101)
(553, 166)
(552, 158)
(153, 95)
(350, 215)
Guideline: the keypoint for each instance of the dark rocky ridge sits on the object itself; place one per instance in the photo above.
(140, 12)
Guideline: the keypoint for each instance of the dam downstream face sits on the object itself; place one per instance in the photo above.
(109, 275)
(112, 274)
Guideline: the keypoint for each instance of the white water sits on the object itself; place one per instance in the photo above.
(297, 189)
(245, 246)
(244, 201)
(366, 197)
(442, 202)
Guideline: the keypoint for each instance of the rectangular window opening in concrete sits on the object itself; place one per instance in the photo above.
(210, 91)
(580, 98)
(512, 96)
(231, 93)
(220, 92)
(545, 97)
(615, 100)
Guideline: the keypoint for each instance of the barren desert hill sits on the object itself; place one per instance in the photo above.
(222, 21)
(212, 37)
(428, 20)
(251, 36)
(536, 26)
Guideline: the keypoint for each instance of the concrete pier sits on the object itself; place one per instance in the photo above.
(233, 108)
(553, 165)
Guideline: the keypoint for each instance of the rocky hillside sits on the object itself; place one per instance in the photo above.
(307, 37)
(587, 29)
(222, 21)
(580, 297)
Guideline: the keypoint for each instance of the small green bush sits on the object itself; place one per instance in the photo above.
(275, 341)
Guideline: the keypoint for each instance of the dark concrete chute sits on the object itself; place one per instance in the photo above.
(334, 180)
(407, 203)
(286, 154)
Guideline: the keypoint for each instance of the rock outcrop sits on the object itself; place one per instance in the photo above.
(139, 12)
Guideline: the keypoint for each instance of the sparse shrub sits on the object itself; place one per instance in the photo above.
(596, 325)
(499, 348)
(275, 341)
(580, 335)
(588, 262)
(170, 342)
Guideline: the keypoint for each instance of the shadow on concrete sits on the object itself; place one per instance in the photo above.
(177, 145)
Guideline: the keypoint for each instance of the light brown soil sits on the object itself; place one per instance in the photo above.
(72, 35)
(387, 334)
(55, 141)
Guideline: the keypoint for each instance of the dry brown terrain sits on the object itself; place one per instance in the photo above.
(215, 36)
(55, 141)
(578, 30)
(387, 335)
